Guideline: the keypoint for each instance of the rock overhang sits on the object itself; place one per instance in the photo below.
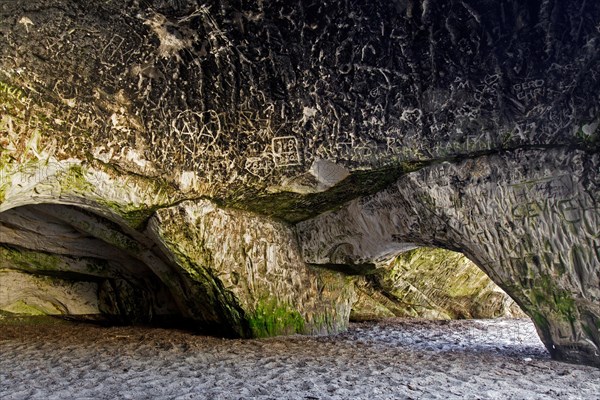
(262, 106)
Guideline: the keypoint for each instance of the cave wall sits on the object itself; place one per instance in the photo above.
(219, 95)
(255, 262)
(64, 226)
(479, 118)
(529, 219)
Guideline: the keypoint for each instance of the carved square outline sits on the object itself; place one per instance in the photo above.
(286, 151)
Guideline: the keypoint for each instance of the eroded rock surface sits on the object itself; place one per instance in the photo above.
(255, 262)
(222, 269)
(468, 125)
(529, 219)
(434, 284)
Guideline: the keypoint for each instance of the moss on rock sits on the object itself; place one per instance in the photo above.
(546, 296)
(22, 308)
(74, 180)
(29, 260)
(272, 319)
(435, 283)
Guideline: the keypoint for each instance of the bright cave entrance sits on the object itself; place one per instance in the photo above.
(432, 299)
(431, 283)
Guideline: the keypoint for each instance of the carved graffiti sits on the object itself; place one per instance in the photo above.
(529, 91)
(260, 167)
(486, 93)
(412, 116)
(358, 149)
(65, 91)
(532, 209)
(286, 151)
(585, 219)
(548, 187)
(570, 210)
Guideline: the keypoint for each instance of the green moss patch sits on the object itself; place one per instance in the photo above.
(74, 180)
(137, 215)
(22, 308)
(272, 319)
(4, 185)
(29, 260)
(545, 295)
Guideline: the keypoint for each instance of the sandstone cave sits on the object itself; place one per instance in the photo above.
(65, 261)
(239, 164)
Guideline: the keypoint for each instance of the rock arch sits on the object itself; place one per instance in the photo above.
(116, 273)
(138, 256)
(528, 218)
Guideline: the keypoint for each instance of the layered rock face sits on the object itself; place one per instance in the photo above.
(433, 284)
(228, 271)
(234, 163)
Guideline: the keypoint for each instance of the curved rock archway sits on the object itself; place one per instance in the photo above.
(227, 271)
(67, 260)
(528, 218)
(60, 260)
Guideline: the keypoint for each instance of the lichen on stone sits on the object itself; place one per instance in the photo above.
(271, 319)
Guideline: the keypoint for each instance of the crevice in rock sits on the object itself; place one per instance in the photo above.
(293, 207)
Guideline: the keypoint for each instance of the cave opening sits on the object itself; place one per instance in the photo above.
(74, 263)
(69, 262)
(436, 299)
(431, 283)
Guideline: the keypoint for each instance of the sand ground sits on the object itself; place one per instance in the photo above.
(395, 359)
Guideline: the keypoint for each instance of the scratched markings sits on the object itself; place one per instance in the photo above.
(261, 167)
(530, 91)
(286, 151)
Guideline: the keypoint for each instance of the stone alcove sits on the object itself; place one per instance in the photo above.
(73, 262)
(225, 271)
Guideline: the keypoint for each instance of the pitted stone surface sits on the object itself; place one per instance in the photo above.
(470, 125)
(257, 263)
(529, 219)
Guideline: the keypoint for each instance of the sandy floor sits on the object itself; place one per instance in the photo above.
(397, 359)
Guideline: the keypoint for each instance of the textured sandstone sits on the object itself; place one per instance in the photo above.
(529, 219)
(431, 283)
(378, 125)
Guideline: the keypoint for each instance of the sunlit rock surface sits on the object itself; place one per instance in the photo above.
(431, 283)
(378, 125)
